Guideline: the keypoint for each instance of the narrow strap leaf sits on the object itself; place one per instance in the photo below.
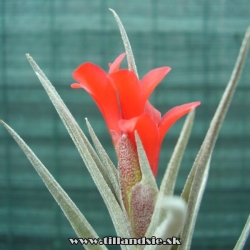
(106, 175)
(169, 178)
(79, 223)
(109, 168)
(128, 49)
(86, 151)
(201, 165)
(244, 235)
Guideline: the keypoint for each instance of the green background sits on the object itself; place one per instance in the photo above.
(199, 40)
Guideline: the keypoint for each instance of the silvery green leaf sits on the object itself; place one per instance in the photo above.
(79, 223)
(169, 178)
(109, 168)
(195, 184)
(88, 155)
(101, 166)
(175, 211)
(244, 235)
(128, 49)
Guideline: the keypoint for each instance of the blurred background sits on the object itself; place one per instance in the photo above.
(199, 40)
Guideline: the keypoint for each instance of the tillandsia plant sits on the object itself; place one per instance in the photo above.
(143, 216)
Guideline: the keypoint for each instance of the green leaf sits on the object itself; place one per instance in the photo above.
(244, 235)
(108, 169)
(79, 223)
(128, 49)
(195, 185)
(88, 155)
(169, 178)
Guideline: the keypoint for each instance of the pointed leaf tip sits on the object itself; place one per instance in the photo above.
(128, 49)
(196, 182)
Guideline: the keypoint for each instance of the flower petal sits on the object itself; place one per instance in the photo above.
(154, 113)
(116, 64)
(173, 115)
(151, 80)
(96, 82)
(129, 91)
(149, 134)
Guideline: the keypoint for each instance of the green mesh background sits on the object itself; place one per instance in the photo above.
(198, 39)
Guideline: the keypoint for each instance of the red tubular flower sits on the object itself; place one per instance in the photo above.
(97, 83)
(123, 101)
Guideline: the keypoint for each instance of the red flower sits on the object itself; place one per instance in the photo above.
(123, 101)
